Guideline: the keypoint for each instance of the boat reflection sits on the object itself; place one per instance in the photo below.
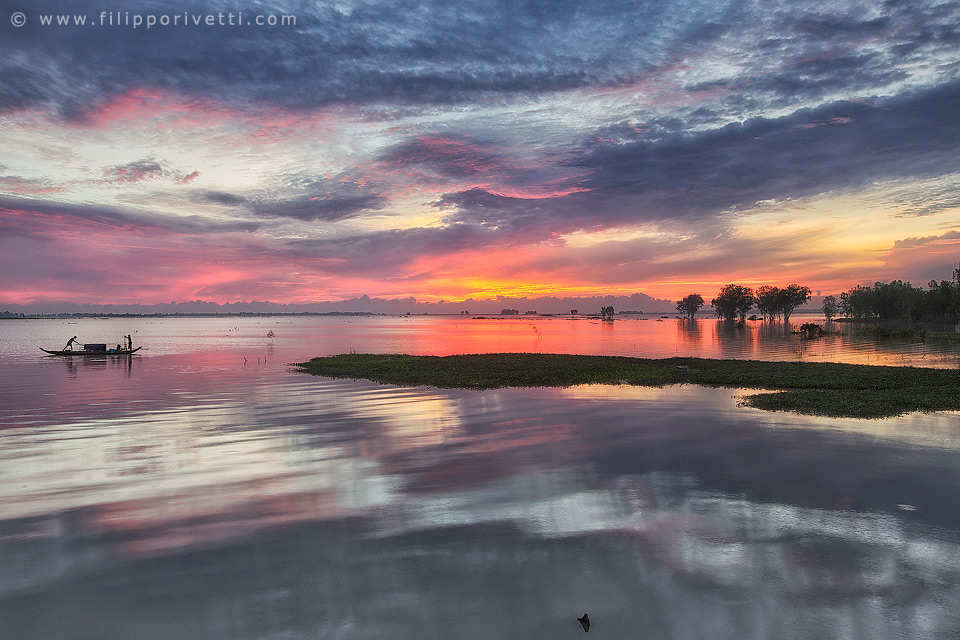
(94, 363)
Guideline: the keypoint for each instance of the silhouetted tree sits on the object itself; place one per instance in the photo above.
(606, 313)
(732, 301)
(857, 302)
(791, 297)
(767, 300)
(956, 298)
(897, 299)
(690, 304)
(831, 306)
(901, 300)
(940, 301)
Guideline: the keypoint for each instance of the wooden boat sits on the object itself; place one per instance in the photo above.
(96, 350)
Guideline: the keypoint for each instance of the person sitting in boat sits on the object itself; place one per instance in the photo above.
(118, 349)
(70, 343)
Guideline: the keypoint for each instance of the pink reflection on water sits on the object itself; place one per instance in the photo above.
(190, 484)
(165, 524)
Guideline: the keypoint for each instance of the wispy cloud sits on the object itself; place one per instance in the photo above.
(121, 218)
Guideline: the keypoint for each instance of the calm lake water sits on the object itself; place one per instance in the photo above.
(202, 489)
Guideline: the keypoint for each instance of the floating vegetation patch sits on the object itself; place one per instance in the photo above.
(819, 388)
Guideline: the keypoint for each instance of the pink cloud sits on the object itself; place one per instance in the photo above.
(26, 186)
(923, 259)
(135, 171)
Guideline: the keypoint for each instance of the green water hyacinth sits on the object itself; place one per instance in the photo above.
(815, 388)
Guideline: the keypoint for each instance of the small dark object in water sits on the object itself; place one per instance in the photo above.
(811, 330)
(584, 622)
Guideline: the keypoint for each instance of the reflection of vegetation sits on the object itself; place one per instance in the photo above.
(831, 307)
(814, 330)
(819, 388)
(889, 332)
(949, 335)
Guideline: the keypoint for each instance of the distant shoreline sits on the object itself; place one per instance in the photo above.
(233, 314)
(270, 314)
(813, 388)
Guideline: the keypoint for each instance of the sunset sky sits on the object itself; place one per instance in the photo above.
(475, 148)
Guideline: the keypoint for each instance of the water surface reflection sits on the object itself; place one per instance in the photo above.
(301, 338)
(253, 502)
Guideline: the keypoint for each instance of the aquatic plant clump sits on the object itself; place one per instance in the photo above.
(818, 388)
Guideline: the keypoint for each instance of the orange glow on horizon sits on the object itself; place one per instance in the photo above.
(177, 219)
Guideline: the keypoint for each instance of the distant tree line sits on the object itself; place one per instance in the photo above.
(736, 300)
(896, 300)
(899, 300)
(773, 302)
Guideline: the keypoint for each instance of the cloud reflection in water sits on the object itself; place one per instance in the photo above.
(277, 505)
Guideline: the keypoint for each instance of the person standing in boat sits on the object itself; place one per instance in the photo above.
(129, 342)
(70, 343)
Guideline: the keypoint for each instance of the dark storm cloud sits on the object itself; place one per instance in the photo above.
(830, 27)
(218, 197)
(840, 145)
(453, 156)
(795, 55)
(146, 169)
(427, 52)
(327, 208)
(828, 72)
(117, 217)
(135, 171)
(327, 199)
(637, 174)
(382, 252)
(459, 159)
(510, 215)
(439, 53)
(843, 145)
